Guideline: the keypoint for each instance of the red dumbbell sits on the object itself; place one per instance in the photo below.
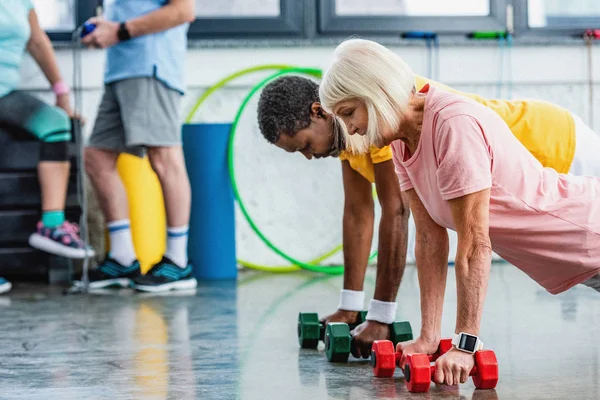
(418, 371)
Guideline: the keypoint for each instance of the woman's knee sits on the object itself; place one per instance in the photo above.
(51, 125)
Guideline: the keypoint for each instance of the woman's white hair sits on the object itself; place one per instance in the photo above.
(369, 72)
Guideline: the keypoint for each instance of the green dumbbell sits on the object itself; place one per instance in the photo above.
(338, 340)
(311, 330)
(400, 332)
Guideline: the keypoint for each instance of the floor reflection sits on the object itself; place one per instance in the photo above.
(229, 340)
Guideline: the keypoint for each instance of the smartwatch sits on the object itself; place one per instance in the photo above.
(467, 343)
(123, 33)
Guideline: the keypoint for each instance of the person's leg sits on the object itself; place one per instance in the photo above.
(151, 119)
(52, 127)
(169, 165)
(587, 148)
(106, 143)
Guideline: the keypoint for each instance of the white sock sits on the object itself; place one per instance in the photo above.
(121, 244)
(177, 242)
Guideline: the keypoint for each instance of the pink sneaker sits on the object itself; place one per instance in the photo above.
(62, 241)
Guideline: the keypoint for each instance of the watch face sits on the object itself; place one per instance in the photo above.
(467, 342)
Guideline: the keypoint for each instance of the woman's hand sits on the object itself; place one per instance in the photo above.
(64, 101)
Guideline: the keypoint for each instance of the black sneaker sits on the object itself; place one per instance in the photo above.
(111, 273)
(165, 276)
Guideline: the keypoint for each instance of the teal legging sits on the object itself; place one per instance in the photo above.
(47, 123)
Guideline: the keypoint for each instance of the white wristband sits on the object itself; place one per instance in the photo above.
(351, 300)
(382, 311)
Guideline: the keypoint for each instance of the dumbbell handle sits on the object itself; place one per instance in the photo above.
(444, 346)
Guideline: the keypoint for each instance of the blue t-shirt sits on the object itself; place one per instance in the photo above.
(14, 35)
(161, 55)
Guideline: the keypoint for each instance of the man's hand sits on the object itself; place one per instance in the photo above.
(453, 367)
(105, 34)
(417, 346)
(347, 317)
(365, 334)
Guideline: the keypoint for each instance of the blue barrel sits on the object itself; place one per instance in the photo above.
(211, 246)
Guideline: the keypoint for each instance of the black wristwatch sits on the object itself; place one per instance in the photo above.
(123, 33)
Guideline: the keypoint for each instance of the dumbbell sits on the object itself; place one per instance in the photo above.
(87, 29)
(418, 371)
(311, 330)
(338, 340)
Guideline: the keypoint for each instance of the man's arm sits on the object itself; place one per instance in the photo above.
(174, 13)
(473, 258)
(393, 232)
(431, 252)
(358, 220)
(357, 235)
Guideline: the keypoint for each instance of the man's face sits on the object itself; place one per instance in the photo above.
(317, 140)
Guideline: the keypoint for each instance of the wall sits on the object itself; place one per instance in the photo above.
(298, 203)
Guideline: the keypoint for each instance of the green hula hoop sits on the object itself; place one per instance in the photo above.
(335, 269)
(199, 102)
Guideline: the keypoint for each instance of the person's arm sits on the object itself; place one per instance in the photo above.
(357, 236)
(472, 267)
(393, 232)
(431, 252)
(358, 220)
(40, 48)
(174, 13)
(473, 258)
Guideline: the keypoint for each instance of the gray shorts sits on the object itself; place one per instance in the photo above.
(135, 114)
(593, 282)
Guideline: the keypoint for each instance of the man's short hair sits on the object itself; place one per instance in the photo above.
(285, 106)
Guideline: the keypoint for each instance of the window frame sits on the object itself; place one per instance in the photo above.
(329, 23)
(83, 11)
(562, 26)
(289, 23)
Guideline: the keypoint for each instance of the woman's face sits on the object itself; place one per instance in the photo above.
(356, 118)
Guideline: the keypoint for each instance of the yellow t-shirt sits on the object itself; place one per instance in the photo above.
(545, 129)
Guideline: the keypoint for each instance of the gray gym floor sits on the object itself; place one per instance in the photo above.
(239, 341)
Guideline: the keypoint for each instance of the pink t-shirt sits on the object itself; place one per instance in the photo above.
(545, 223)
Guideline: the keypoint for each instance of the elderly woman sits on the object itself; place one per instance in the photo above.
(462, 169)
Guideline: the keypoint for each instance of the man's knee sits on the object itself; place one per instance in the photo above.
(99, 161)
(166, 159)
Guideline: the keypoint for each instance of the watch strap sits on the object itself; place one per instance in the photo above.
(123, 33)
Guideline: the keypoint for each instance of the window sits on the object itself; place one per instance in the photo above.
(558, 14)
(248, 18)
(413, 8)
(238, 8)
(55, 15)
(345, 17)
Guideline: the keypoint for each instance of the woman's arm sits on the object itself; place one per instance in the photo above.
(473, 258)
(431, 252)
(40, 48)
